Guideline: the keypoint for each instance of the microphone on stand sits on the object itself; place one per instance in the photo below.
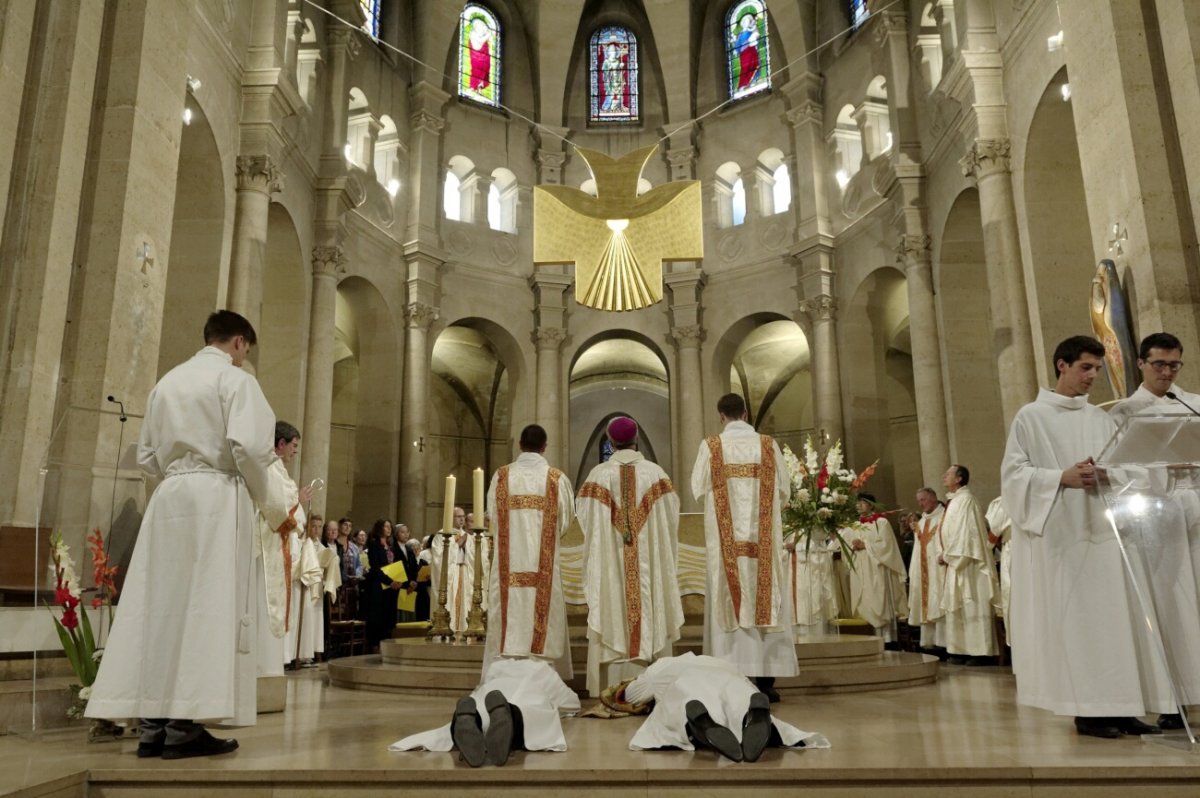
(1171, 395)
(121, 405)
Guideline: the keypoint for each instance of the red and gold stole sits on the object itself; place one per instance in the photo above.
(540, 579)
(732, 549)
(628, 518)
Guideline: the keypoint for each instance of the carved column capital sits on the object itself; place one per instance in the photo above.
(549, 337)
(257, 173)
(687, 335)
(328, 261)
(418, 315)
(986, 157)
(820, 308)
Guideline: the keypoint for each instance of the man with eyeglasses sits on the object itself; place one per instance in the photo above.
(1160, 358)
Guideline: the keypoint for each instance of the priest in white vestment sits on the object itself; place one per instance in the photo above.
(1000, 526)
(280, 514)
(877, 592)
(530, 505)
(927, 571)
(535, 699)
(811, 586)
(1077, 646)
(967, 596)
(728, 699)
(742, 480)
(629, 513)
(182, 645)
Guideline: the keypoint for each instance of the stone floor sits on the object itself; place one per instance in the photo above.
(962, 735)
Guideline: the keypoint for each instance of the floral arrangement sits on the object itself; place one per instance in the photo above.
(824, 495)
(73, 626)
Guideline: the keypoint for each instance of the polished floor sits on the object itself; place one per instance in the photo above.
(963, 734)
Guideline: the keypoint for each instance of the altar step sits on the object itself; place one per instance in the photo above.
(827, 665)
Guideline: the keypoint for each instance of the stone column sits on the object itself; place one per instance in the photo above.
(821, 311)
(257, 178)
(1012, 341)
(912, 253)
(327, 264)
(550, 287)
(414, 427)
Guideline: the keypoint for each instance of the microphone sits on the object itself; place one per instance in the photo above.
(121, 405)
(1171, 395)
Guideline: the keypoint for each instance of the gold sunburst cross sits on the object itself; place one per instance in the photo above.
(617, 240)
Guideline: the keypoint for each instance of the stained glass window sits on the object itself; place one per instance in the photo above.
(614, 75)
(748, 56)
(479, 55)
(370, 10)
(858, 12)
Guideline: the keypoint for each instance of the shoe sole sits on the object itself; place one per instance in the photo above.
(464, 730)
(500, 728)
(756, 732)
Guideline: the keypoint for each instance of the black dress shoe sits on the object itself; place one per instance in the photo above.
(756, 728)
(1134, 726)
(708, 732)
(1170, 721)
(466, 730)
(1097, 727)
(500, 728)
(203, 744)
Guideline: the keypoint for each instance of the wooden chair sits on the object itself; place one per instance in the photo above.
(347, 634)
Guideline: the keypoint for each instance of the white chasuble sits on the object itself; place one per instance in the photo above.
(530, 506)
(182, 644)
(1001, 526)
(810, 585)
(530, 685)
(629, 514)
(877, 593)
(741, 478)
(1077, 645)
(970, 627)
(925, 579)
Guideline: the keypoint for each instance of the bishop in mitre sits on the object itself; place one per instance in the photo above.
(742, 480)
(970, 623)
(927, 571)
(629, 513)
(877, 593)
(530, 505)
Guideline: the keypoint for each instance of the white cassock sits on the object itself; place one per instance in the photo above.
(674, 681)
(741, 478)
(530, 506)
(970, 626)
(310, 636)
(279, 515)
(810, 586)
(530, 685)
(1142, 400)
(291, 638)
(925, 579)
(1001, 524)
(182, 644)
(629, 513)
(1077, 646)
(877, 593)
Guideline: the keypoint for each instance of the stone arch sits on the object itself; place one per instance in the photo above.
(1058, 227)
(282, 351)
(969, 371)
(363, 448)
(194, 264)
(879, 391)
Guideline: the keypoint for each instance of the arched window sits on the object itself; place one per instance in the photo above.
(748, 57)
(479, 55)
(613, 59)
(370, 11)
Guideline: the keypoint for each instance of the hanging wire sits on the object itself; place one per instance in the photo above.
(548, 131)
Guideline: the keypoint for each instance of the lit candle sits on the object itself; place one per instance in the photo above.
(448, 516)
(478, 474)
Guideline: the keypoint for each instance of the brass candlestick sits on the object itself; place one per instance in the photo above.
(439, 630)
(476, 624)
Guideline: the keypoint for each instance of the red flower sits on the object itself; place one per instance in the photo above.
(70, 620)
(823, 478)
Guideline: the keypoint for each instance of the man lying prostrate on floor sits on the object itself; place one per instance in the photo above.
(705, 701)
(518, 705)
